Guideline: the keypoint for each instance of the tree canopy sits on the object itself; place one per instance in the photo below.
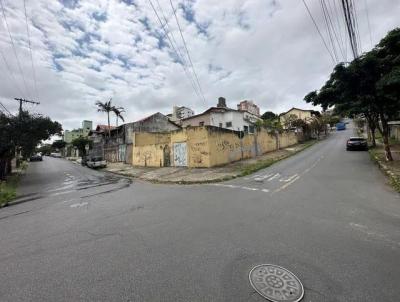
(368, 86)
(269, 115)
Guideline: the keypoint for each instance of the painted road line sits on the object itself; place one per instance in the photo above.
(250, 189)
(274, 177)
(298, 176)
(287, 184)
(78, 205)
(288, 179)
(265, 190)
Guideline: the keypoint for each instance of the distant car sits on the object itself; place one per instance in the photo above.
(340, 126)
(96, 162)
(356, 143)
(55, 154)
(36, 157)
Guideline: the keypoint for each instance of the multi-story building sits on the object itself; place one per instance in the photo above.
(70, 135)
(180, 112)
(223, 117)
(249, 106)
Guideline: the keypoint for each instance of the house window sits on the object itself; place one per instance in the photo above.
(251, 129)
(201, 124)
(220, 125)
(228, 124)
(246, 129)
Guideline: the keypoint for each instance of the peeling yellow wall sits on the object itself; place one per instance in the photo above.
(148, 148)
(151, 138)
(203, 146)
(287, 139)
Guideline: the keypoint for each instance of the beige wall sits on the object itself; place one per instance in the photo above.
(304, 115)
(149, 148)
(203, 146)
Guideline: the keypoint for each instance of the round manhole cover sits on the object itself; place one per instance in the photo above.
(276, 283)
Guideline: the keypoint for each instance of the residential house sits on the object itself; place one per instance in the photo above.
(303, 114)
(249, 106)
(223, 117)
(70, 135)
(118, 146)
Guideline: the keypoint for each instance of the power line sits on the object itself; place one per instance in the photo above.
(187, 51)
(13, 45)
(329, 9)
(183, 59)
(339, 19)
(355, 17)
(319, 32)
(21, 101)
(369, 24)
(5, 108)
(30, 50)
(329, 30)
(174, 49)
(11, 73)
(350, 27)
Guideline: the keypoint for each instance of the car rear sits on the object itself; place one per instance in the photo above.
(97, 162)
(356, 143)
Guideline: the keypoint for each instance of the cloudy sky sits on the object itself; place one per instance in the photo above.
(263, 50)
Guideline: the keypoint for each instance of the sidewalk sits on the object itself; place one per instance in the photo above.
(181, 175)
(390, 168)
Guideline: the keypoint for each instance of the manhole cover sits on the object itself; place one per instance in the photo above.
(276, 283)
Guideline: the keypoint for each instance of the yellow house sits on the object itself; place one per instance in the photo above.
(298, 113)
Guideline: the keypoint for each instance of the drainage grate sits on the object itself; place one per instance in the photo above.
(276, 283)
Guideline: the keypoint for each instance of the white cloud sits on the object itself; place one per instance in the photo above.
(267, 51)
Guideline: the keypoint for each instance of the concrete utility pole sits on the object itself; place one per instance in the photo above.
(17, 152)
(24, 101)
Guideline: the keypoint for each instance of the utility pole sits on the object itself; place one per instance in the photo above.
(24, 101)
(17, 152)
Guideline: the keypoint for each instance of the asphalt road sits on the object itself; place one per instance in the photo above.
(325, 214)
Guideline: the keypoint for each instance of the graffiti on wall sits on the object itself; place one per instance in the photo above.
(180, 155)
(225, 145)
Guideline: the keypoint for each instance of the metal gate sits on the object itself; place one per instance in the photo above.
(121, 152)
(180, 155)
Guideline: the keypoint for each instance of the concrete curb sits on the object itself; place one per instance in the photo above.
(216, 180)
(394, 179)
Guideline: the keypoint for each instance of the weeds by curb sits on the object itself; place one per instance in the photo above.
(394, 180)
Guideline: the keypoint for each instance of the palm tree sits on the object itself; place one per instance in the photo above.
(118, 114)
(105, 107)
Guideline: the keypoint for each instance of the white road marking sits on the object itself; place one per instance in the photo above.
(274, 177)
(288, 179)
(287, 184)
(69, 200)
(265, 190)
(62, 193)
(78, 205)
(248, 188)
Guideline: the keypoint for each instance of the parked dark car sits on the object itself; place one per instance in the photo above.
(36, 157)
(357, 143)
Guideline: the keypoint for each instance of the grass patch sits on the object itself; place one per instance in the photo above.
(8, 189)
(262, 164)
(251, 168)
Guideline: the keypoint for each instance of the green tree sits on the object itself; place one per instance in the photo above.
(81, 143)
(58, 144)
(369, 86)
(106, 107)
(23, 132)
(269, 115)
(118, 114)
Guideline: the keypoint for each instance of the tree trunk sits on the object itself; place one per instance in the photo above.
(108, 119)
(373, 141)
(385, 135)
